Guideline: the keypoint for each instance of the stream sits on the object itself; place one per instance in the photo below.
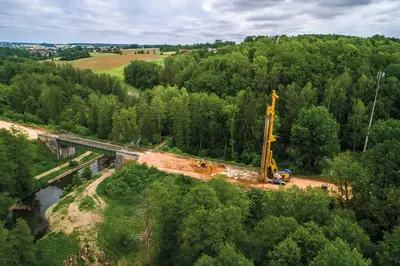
(44, 198)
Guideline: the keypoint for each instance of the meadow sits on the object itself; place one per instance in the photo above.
(114, 64)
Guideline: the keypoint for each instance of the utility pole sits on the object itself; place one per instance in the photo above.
(380, 75)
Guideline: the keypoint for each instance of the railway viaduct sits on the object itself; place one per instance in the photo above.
(65, 145)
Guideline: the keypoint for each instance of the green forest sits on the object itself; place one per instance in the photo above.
(212, 104)
(73, 53)
(185, 222)
(6, 52)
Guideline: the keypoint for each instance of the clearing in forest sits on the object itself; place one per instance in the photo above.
(171, 163)
(100, 62)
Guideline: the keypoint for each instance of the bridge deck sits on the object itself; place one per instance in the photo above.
(68, 139)
(92, 143)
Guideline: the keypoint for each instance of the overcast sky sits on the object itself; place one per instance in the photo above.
(190, 21)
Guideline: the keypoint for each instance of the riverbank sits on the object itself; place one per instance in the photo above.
(65, 169)
(80, 211)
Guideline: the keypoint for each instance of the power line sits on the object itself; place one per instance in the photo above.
(380, 75)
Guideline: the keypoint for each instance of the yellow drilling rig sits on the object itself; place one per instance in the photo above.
(269, 169)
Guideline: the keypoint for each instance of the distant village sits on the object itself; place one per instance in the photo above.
(55, 50)
(51, 50)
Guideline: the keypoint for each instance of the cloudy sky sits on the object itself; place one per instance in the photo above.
(189, 21)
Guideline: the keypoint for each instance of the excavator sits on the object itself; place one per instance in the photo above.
(269, 169)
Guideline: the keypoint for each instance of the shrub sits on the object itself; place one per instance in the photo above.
(73, 163)
(126, 184)
(68, 189)
(54, 248)
(76, 180)
(87, 173)
(87, 204)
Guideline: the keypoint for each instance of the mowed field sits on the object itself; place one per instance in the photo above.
(104, 62)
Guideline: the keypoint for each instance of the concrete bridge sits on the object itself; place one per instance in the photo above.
(65, 145)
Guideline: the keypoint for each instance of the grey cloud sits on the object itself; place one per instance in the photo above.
(344, 3)
(267, 25)
(269, 16)
(245, 5)
(189, 21)
(323, 13)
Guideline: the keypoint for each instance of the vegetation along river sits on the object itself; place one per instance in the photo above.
(44, 198)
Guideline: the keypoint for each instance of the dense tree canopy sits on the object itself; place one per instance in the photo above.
(212, 104)
(208, 112)
(73, 53)
(314, 138)
(15, 166)
(142, 74)
(213, 223)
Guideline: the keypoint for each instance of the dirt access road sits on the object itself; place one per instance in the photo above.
(70, 218)
(181, 165)
(32, 132)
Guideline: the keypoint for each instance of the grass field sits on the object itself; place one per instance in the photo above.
(100, 62)
(114, 64)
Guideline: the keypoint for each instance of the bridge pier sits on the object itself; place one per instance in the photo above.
(119, 161)
(60, 151)
(65, 152)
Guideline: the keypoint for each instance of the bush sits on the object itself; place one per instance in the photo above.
(116, 232)
(54, 249)
(72, 163)
(87, 204)
(67, 189)
(176, 150)
(126, 184)
(87, 173)
(76, 180)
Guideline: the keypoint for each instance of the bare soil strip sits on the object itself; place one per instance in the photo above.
(30, 131)
(69, 218)
(171, 163)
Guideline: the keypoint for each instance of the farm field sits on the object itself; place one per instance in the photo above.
(101, 62)
(114, 64)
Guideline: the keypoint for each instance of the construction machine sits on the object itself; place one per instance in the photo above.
(269, 169)
(203, 166)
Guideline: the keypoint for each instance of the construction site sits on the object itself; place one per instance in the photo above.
(268, 176)
(171, 163)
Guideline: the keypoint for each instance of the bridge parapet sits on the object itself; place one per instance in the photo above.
(62, 145)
